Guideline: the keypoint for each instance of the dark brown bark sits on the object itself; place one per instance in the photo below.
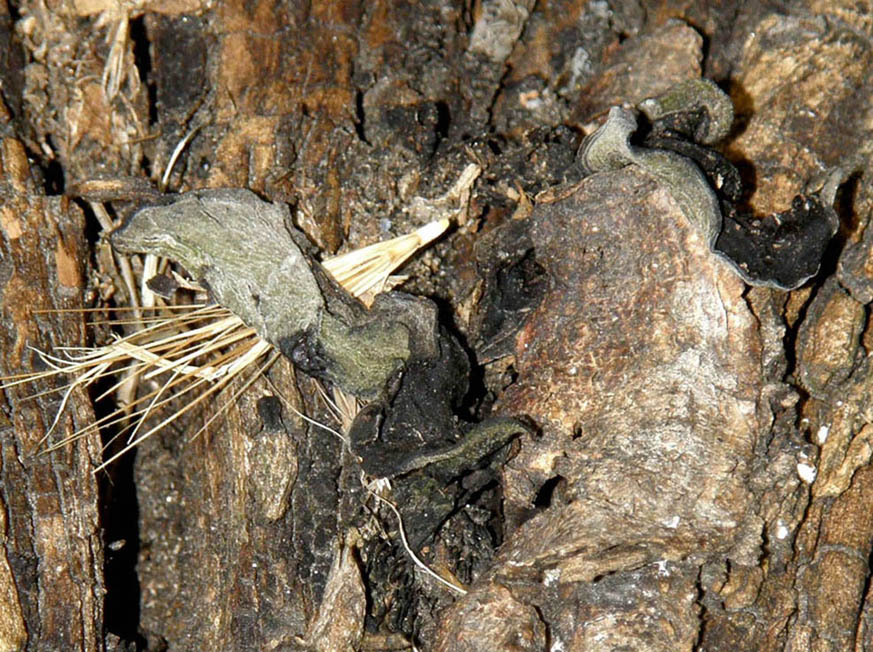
(51, 567)
(700, 477)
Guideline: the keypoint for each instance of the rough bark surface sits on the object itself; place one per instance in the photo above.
(700, 472)
(51, 566)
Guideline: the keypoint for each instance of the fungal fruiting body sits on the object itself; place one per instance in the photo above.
(780, 251)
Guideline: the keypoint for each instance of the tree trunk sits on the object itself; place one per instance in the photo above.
(698, 472)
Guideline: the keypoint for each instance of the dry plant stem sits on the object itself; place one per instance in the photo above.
(418, 562)
(177, 151)
(167, 344)
(367, 268)
(347, 407)
(307, 419)
(113, 72)
(218, 342)
(213, 389)
(127, 389)
(149, 269)
(257, 374)
(102, 216)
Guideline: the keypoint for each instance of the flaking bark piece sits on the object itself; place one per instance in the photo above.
(641, 366)
(255, 263)
(855, 268)
(513, 285)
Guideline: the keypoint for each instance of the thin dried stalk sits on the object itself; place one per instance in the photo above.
(368, 269)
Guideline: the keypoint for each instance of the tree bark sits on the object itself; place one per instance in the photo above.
(700, 474)
(51, 569)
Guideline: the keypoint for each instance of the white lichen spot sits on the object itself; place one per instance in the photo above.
(551, 576)
(807, 472)
(782, 530)
(531, 100)
(498, 28)
(822, 435)
(671, 523)
(600, 9)
(557, 646)
(580, 66)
